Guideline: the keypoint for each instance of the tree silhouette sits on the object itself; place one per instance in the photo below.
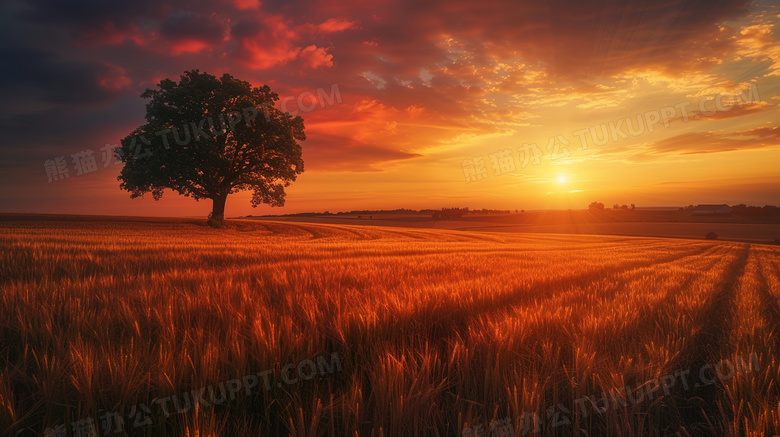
(208, 137)
(596, 206)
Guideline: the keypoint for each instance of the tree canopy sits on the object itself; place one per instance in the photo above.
(207, 137)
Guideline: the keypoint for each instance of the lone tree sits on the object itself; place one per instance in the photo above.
(208, 137)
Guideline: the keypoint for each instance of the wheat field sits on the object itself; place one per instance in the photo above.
(436, 332)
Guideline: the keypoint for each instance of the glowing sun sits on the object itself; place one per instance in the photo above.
(561, 178)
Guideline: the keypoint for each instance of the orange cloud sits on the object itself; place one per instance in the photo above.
(758, 41)
(741, 110)
(713, 142)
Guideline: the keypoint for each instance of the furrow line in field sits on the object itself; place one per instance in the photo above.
(772, 262)
(447, 315)
(769, 303)
(752, 390)
(631, 330)
(698, 408)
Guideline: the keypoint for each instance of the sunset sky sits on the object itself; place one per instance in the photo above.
(426, 90)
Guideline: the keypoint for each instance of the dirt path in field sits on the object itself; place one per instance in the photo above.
(708, 346)
(769, 304)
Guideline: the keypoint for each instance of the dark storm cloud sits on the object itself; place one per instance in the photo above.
(83, 13)
(573, 38)
(187, 25)
(51, 79)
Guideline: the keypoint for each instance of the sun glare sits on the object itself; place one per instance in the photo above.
(561, 178)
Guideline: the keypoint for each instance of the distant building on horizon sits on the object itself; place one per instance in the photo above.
(711, 210)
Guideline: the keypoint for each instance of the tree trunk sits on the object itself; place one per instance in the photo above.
(218, 210)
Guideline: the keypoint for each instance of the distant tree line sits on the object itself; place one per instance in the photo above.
(446, 213)
(743, 210)
(490, 211)
(435, 213)
(382, 211)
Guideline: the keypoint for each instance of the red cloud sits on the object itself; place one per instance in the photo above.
(316, 57)
(114, 79)
(246, 4)
(276, 42)
(337, 25)
(255, 54)
(188, 46)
